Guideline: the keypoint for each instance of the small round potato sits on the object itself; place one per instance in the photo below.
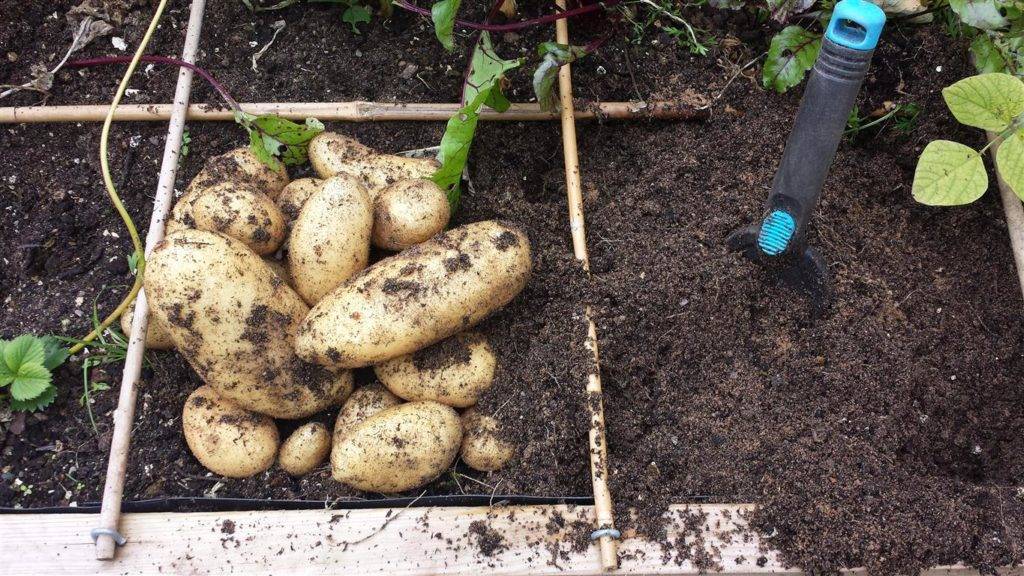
(305, 449)
(409, 212)
(225, 438)
(295, 194)
(455, 371)
(482, 448)
(157, 336)
(363, 403)
(242, 213)
(332, 154)
(399, 448)
(330, 240)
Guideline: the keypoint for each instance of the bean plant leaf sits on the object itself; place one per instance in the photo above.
(38, 402)
(483, 86)
(1010, 162)
(275, 140)
(986, 101)
(554, 57)
(949, 174)
(443, 14)
(984, 14)
(988, 57)
(356, 14)
(791, 54)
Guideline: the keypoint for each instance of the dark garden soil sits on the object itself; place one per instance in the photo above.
(887, 432)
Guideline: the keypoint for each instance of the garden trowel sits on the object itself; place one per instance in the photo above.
(779, 240)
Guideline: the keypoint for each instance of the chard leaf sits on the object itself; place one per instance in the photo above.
(949, 174)
(791, 54)
(356, 14)
(275, 140)
(443, 14)
(554, 57)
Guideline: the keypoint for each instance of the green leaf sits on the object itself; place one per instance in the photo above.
(987, 56)
(790, 55)
(275, 140)
(44, 399)
(30, 382)
(554, 57)
(986, 101)
(55, 353)
(1010, 162)
(356, 14)
(982, 14)
(443, 14)
(487, 70)
(24, 349)
(949, 174)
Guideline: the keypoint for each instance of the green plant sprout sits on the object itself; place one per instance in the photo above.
(949, 173)
(902, 116)
(355, 12)
(186, 141)
(26, 371)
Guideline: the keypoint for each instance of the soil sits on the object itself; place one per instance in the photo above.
(885, 432)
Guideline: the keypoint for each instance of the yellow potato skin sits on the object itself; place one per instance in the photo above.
(454, 372)
(417, 297)
(295, 194)
(242, 213)
(225, 438)
(363, 403)
(305, 449)
(157, 335)
(234, 321)
(482, 449)
(409, 212)
(332, 154)
(399, 448)
(330, 240)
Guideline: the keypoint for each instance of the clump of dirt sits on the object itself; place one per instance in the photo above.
(488, 541)
(446, 353)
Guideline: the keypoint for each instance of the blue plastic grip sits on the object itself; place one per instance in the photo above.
(776, 232)
(856, 24)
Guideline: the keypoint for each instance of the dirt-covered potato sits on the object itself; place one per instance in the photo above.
(242, 213)
(240, 166)
(234, 321)
(399, 448)
(455, 371)
(417, 297)
(295, 194)
(482, 448)
(280, 268)
(330, 240)
(363, 403)
(305, 449)
(157, 335)
(225, 438)
(332, 154)
(409, 212)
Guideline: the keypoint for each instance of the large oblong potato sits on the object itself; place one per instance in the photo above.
(417, 297)
(305, 449)
(455, 371)
(363, 403)
(482, 448)
(409, 212)
(225, 438)
(234, 320)
(330, 240)
(398, 448)
(240, 166)
(242, 213)
(331, 154)
(295, 194)
(157, 335)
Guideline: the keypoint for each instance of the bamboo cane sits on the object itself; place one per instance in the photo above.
(351, 112)
(124, 415)
(608, 546)
(1014, 215)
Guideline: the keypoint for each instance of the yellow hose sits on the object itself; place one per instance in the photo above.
(112, 190)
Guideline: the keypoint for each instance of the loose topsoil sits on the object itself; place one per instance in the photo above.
(885, 433)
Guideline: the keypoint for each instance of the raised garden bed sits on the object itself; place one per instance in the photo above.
(885, 434)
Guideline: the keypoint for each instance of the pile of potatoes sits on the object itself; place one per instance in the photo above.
(280, 339)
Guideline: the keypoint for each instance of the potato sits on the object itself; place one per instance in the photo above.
(330, 240)
(279, 268)
(363, 403)
(225, 438)
(332, 154)
(157, 335)
(295, 194)
(398, 448)
(417, 297)
(455, 371)
(242, 213)
(239, 166)
(482, 448)
(305, 449)
(409, 212)
(234, 321)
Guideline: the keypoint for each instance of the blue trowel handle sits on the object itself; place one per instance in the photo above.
(846, 50)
